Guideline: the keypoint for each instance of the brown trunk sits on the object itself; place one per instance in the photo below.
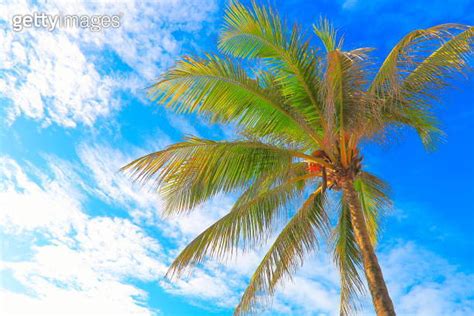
(380, 297)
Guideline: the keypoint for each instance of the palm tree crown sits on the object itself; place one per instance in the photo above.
(302, 113)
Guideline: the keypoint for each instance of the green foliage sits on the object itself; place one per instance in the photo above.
(302, 100)
(258, 32)
(194, 170)
(328, 35)
(250, 220)
(374, 201)
(414, 72)
(348, 258)
(209, 85)
(287, 252)
(347, 108)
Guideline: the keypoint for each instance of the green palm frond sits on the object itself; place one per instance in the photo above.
(333, 101)
(209, 85)
(194, 170)
(419, 65)
(407, 54)
(434, 72)
(347, 257)
(421, 86)
(301, 115)
(258, 32)
(348, 110)
(374, 200)
(328, 35)
(373, 196)
(287, 252)
(249, 221)
(422, 120)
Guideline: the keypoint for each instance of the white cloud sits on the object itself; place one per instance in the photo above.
(349, 4)
(89, 260)
(92, 250)
(420, 282)
(304, 296)
(52, 207)
(212, 282)
(423, 283)
(103, 162)
(80, 264)
(110, 298)
(48, 78)
(314, 288)
(183, 125)
(56, 77)
(103, 249)
(202, 286)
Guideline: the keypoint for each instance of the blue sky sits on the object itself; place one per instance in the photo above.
(78, 237)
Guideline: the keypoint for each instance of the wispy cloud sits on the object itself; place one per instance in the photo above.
(106, 252)
(78, 262)
(79, 258)
(349, 4)
(52, 205)
(58, 77)
(423, 283)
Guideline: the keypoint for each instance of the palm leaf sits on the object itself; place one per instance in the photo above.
(298, 102)
(450, 58)
(374, 200)
(258, 32)
(420, 64)
(287, 252)
(407, 54)
(347, 257)
(347, 108)
(194, 170)
(422, 120)
(208, 86)
(328, 35)
(423, 84)
(249, 221)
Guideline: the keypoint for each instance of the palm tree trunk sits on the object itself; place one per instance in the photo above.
(380, 297)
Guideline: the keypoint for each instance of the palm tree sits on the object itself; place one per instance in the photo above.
(302, 114)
